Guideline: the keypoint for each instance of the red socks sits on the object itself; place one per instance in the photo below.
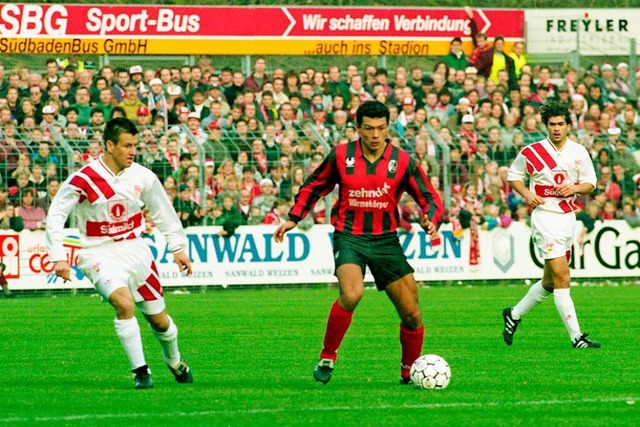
(411, 342)
(337, 325)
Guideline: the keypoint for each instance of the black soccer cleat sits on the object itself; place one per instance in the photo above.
(510, 325)
(323, 370)
(142, 378)
(584, 342)
(406, 381)
(182, 373)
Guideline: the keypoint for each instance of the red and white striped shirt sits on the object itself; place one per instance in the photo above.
(547, 167)
(109, 207)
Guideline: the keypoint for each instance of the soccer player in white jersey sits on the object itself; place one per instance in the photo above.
(108, 195)
(558, 169)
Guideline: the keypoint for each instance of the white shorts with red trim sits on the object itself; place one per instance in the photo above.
(127, 263)
(553, 232)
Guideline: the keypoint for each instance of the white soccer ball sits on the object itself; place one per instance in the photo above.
(430, 372)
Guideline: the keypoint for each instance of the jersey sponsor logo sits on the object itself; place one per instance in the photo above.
(560, 176)
(393, 166)
(376, 193)
(117, 210)
(351, 162)
(356, 196)
(112, 229)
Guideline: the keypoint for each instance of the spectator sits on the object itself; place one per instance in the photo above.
(10, 218)
(278, 213)
(482, 56)
(32, 215)
(456, 58)
(188, 212)
(266, 199)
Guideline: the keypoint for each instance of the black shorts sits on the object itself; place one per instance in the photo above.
(383, 255)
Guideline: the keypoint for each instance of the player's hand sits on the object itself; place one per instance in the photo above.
(566, 190)
(62, 270)
(468, 11)
(534, 200)
(184, 264)
(280, 232)
(429, 227)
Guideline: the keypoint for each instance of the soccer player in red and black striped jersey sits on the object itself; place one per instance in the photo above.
(372, 175)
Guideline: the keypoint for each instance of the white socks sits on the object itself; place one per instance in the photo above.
(169, 342)
(567, 311)
(128, 332)
(535, 296)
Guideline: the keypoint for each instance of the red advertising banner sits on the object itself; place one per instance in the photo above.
(58, 28)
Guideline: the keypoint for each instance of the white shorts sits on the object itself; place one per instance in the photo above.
(553, 232)
(125, 263)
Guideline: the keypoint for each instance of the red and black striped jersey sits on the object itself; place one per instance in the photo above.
(368, 192)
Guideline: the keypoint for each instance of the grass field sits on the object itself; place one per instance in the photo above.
(252, 353)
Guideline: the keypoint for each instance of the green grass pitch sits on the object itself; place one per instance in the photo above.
(252, 352)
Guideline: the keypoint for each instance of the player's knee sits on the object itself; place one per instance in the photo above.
(561, 279)
(158, 322)
(125, 309)
(349, 300)
(412, 318)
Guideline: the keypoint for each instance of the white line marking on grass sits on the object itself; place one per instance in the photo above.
(80, 417)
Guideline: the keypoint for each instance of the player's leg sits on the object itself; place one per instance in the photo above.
(561, 275)
(128, 332)
(351, 284)
(166, 332)
(350, 259)
(149, 297)
(537, 293)
(404, 295)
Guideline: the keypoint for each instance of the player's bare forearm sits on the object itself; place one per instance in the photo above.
(532, 199)
(584, 188)
(568, 190)
(278, 235)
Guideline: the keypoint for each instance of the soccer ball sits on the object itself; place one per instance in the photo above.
(430, 372)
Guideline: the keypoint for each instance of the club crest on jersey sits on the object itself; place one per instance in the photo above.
(393, 166)
(117, 210)
(351, 162)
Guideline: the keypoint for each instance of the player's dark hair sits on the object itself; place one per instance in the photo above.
(554, 109)
(372, 109)
(116, 127)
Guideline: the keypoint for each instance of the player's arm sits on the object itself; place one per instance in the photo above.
(419, 187)
(587, 178)
(317, 185)
(516, 178)
(61, 206)
(164, 217)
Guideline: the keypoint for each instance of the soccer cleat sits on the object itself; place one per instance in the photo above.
(142, 377)
(323, 370)
(510, 325)
(584, 342)
(406, 381)
(182, 372)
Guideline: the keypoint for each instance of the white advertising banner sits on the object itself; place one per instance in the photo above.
(251, 256)
(597, 32)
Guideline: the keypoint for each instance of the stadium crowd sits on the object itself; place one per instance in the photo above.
(262, 134)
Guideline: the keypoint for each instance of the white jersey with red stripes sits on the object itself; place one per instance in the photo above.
(109, 207)
(547, 167)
